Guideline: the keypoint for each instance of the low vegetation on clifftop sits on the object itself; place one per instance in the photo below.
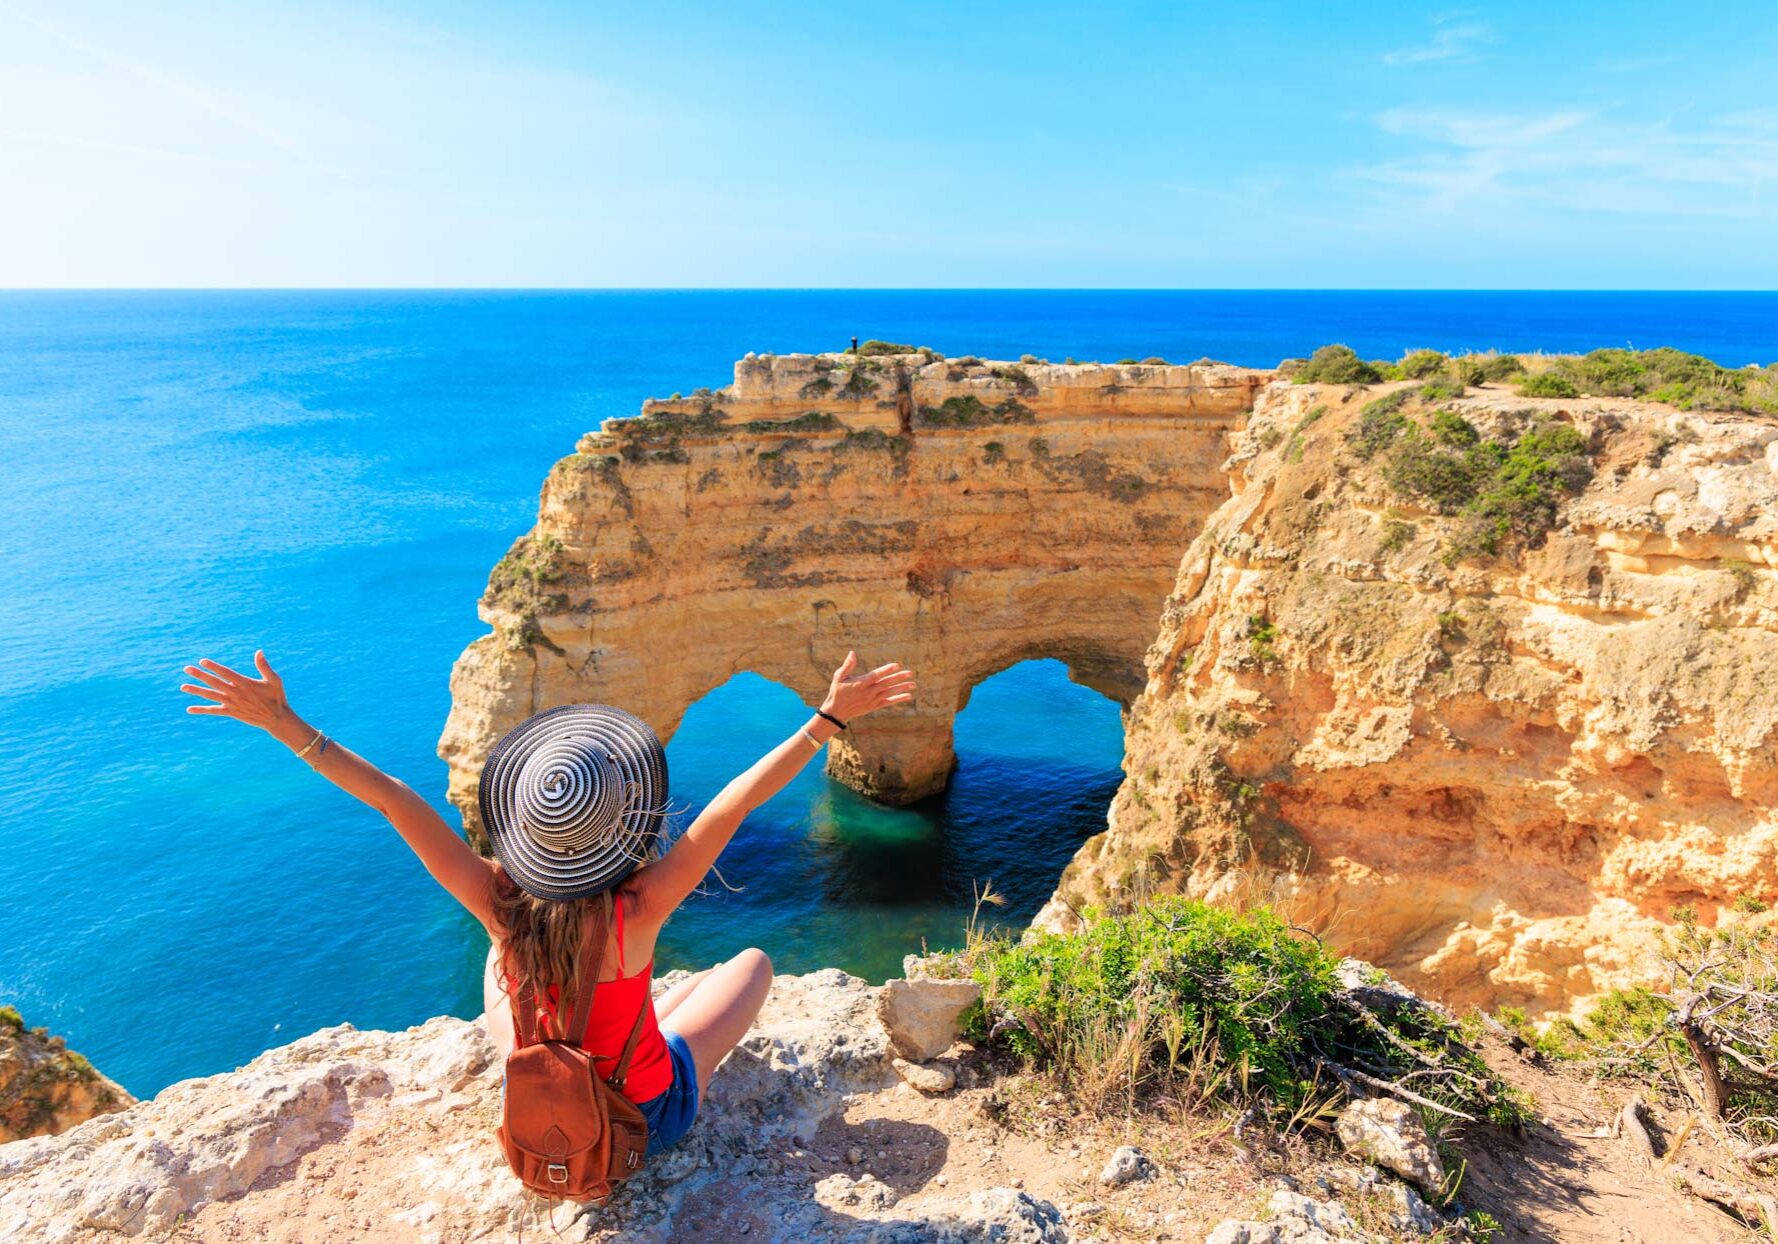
(1671, 377)
(1177, 997)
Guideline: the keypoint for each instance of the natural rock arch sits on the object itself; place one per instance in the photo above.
(1019, 511)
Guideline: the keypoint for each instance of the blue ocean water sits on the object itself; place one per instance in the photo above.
(330, 475)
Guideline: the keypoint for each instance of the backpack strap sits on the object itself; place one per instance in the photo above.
(524, 1016)
(623, 1063)
(592, 955)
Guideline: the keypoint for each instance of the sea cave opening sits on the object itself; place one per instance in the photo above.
(822, 877)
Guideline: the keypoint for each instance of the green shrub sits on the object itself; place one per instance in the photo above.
(1440, 390)
(1445, 470)
(1483, 368)
(808, 421)
(1422, 364)
(1547, 384)
(1177, 991)
(1379, 423)
(859, 384)
(524, 583)
(1633, 373)
(1154, 360)
(1019, 379)
(873, 347)
(1262, 640)
(670, 425)
(1743, 574)
(1760, 393)
(1507, 492)
(10, 1018)
(529, 563)
(1396, 535)
(1688, 381)
(1483, 1226)
(873, 438)
(1521, 501)
(1126, 362)
(1337, 364)
(1293, 451)
(969, 411)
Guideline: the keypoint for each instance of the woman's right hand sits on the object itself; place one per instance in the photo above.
(256, 701)
(850, 696)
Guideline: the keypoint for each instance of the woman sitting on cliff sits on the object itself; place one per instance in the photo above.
(572, 801)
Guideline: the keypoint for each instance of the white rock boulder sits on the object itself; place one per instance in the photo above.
(1389, 1133)
(921, 1015)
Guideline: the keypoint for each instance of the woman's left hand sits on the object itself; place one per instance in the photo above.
(256, 701)
(852, 696)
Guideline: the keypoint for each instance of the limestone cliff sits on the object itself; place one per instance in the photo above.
(955, 515)
(1494, 775)
(389, 1136)
(810, 1130)
(44, 1086)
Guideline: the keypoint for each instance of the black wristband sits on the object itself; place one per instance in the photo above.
(835, 720)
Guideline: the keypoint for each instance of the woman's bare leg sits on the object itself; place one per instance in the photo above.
(719, 1007)
(671, 998)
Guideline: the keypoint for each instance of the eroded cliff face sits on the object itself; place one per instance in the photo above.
(1496, 776)
(45, 1087)
(954, 515)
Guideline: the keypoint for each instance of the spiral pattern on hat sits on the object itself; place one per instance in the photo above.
(571, 799)
(568, 794)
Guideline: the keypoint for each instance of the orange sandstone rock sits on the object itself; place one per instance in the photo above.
(954, 515)
(1494, 777)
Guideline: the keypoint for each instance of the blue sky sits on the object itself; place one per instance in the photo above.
(1580, 145)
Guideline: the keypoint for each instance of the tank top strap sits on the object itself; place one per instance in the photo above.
(619, 906)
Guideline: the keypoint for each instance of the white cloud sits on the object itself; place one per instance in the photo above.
(1589, 161)
(202, 98)
(1453, 39)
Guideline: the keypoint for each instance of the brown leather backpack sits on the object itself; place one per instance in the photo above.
(568, 1134)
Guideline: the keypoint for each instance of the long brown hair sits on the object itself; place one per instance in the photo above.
(542, 941)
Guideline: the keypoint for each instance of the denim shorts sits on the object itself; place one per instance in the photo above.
(669, 1114)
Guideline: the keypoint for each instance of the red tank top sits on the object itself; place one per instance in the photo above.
(608, 1027)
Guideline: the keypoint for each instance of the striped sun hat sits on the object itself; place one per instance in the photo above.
(572, 799)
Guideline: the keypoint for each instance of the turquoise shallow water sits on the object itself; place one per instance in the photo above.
(330, 476)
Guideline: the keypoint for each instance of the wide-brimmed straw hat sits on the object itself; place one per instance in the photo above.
(572, 799)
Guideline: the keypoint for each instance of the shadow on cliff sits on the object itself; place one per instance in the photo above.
(740, 1206)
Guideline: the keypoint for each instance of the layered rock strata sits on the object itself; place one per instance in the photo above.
(1495, 776)
(955, 515)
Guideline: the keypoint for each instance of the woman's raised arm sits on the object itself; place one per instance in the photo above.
(261, 702)
(663, 885)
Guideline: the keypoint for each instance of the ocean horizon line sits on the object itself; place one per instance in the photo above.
(879, 289)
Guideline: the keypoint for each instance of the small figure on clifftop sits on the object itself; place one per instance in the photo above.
(855, 345)
(573, 799)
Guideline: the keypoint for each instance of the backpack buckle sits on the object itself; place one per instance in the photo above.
(558, 1174)
(634, 1159)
